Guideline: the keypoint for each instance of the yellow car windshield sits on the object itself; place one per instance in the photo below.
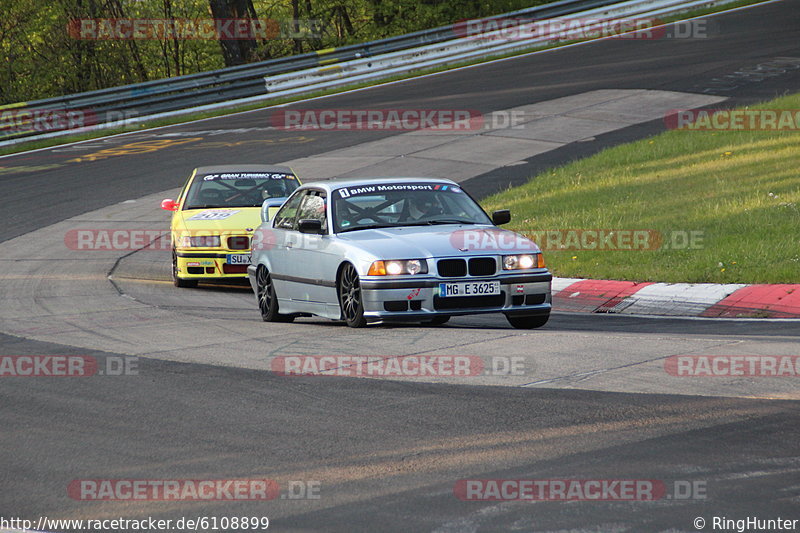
(238, 189)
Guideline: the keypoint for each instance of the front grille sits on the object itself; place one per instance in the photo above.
(234, 269)
(200, 270)
(238, 243)
(452, 268)
(482, 266)
(469, 302)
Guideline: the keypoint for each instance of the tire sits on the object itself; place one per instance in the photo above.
(267, 298)
(438, 320)
(528, 322)
(180, 282)
(350, 302)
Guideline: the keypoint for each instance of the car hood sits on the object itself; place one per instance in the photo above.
(237, 219)
(439, 241)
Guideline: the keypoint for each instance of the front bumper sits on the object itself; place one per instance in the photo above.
(416, 298)
(209, 265)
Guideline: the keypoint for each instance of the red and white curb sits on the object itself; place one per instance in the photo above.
(731, 300)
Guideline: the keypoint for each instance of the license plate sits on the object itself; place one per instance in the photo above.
(470, 288)
(238, 259)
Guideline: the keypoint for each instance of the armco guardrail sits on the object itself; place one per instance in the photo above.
(475, 47)
(309, 72)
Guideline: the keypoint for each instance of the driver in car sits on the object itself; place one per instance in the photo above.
(422, 207)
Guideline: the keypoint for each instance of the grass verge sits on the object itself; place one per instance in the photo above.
(739, 190)
(34, 144)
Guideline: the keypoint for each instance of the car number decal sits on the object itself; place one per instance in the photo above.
(214, 215)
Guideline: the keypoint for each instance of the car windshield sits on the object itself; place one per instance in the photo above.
(403, 204)
(238, 189)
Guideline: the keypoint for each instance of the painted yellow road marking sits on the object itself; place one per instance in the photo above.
(141, 147)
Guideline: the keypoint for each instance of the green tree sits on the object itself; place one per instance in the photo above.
(42, 56)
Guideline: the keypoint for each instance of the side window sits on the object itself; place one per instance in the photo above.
(313, 207)
(286, 216)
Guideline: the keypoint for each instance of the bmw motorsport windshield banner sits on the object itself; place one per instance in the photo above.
(347, 192)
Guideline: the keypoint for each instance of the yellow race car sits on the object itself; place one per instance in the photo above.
(215, 216)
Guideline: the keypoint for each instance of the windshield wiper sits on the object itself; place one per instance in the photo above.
(443, 221)
(370, 226)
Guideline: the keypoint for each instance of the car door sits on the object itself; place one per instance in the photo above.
(308, 253)
(279, 240)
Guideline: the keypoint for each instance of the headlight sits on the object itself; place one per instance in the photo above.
(203, 241)
(398, 267)
(523, 261)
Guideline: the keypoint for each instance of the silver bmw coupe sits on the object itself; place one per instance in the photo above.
(394, 249)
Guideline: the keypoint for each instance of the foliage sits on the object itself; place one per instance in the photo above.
(40, 58)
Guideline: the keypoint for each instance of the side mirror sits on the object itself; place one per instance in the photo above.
(310, 225)
(503, 216)
(270, 204)
(169, 205)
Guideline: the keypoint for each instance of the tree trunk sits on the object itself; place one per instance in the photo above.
(346, 23)
(298, 43)
(234, 51)
(316, 42)
(117, 11)
(175, 51)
